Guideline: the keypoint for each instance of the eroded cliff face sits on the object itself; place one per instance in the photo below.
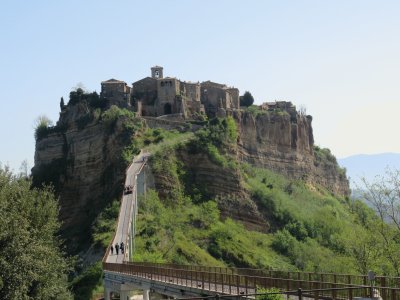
(226, 186)
(284, 143)
(83, 160)
(85, 167)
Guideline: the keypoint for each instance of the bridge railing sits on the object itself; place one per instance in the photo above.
(229, 283)
(348, 279)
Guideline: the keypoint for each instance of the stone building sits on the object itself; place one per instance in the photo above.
(116, 92)
(216, 97)
(158, 95)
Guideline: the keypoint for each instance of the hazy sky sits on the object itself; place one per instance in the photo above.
(339, 59)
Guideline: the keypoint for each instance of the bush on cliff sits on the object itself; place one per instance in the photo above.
(111, 115)
(217, 139)
(31, 261)
(80, 96)
(42, 125)
(324, 157)
(255, 110)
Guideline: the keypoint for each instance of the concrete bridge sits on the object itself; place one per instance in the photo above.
(121, 276)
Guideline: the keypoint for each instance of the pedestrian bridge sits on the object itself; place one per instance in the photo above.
(121, 276)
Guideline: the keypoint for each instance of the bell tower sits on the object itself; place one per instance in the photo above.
(157, 72)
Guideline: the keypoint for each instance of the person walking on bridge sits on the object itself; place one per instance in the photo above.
(116, 248)
(112, 250)
(122, 247)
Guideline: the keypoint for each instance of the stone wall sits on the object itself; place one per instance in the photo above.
(192, 91)
(235, 99)
(145, 91)
(212, 97)
(116, 92)
(167, 89)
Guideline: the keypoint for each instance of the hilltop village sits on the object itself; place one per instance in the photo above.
(157, 96)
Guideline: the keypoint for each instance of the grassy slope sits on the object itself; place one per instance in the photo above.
(311, 230)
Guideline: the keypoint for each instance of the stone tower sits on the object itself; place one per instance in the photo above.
(157, 72)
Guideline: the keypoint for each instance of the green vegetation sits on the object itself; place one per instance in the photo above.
(187, 233)
(217, 139)
(105, 224)
(92, 99)
(89, 283)
(185, 227)
(247, 99)
(270, 294)
(382, 245)
(255, 110)
(310, 229)
(32, 265)
(42, 124)
(111, 115)
(152, 140)
(323, 156)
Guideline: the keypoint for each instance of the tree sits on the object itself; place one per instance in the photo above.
(247, 99)
(31, 263)
(62, 103)
(384, 196)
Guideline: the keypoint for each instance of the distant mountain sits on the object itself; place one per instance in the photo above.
(368, 166)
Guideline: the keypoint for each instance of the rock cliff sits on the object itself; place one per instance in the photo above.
(81, 156)
(284, 143)
(84, 164)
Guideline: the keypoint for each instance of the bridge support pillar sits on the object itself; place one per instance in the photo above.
(125, 295)
(107, 294)
(146, 294)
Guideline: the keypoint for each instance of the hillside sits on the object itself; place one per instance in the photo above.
(299, 226)
(246, 189)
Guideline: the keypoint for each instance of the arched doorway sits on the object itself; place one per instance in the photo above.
(167, 109)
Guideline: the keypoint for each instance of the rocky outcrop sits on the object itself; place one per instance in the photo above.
(224, 185)
(84, 165)
(284, 143)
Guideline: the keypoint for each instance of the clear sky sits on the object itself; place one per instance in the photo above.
(340, 59)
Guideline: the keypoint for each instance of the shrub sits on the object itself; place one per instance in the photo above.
(42, 125)
(256, 110)
(86, 283)
(215, 156)
(104, 225)
(111, 115)
(297, 230)
(284, 242)
(269, 294)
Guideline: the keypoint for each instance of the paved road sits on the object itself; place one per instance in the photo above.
(127, 208)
